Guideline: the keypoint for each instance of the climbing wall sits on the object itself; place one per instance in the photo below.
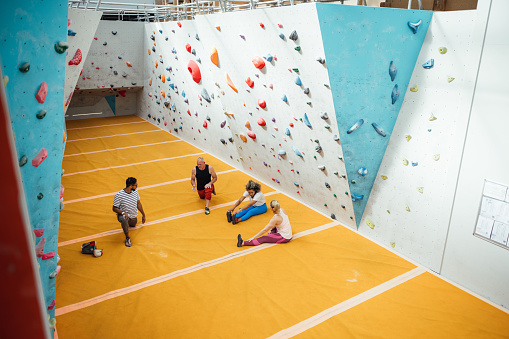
(262, 100)
(112, 72)
(84, 22)
(411, 201)
(35, 96)
(371, 53)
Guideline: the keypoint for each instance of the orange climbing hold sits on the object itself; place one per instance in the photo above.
(178, 23)
(163, 78)
(156, 64)
(230, 83)
(261, 121)
(218, 28)
(262, 103)
(188, 48)
(150, 95)
(243, 137)
(128, 64)
(149, 51)
(194, 70)
(150, 82)
(163, 94)
(251, 134)
(63, 137)
(214, 57)
(258, 62)
(250, 82)
(248, 125)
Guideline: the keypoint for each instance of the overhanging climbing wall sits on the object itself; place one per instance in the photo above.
(361, 44)
(35, 96)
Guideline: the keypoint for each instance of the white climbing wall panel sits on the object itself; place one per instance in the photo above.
(258, 157)
(421, 232)
(475, 263)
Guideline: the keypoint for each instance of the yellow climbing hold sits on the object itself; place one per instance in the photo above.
(5, 79)
(414, 88)
(214, 57)
(442, 50)
(230, 82)
(420, 189)
(388, 211)
(393, 244)
(407, 208)
(408, 137)
(450, 79)
(370, 223)
(384, 177)
(436, 157)
(432, 117)
(404, 161)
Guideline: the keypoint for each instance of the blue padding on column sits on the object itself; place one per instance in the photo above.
(111, 101)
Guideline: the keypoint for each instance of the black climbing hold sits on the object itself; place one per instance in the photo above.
(41, 114)
(23, 161)
(223, 141)
(40, 196)
(114, 32)
(333, 216)
(25, 67)
(293, 36)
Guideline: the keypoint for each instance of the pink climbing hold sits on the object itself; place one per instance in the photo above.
(48, 255)
(261, 122)
(122, 93)
(42, 92)
(251, 134)
(76, 60)
(250, 82)
(39, 249)
(51, 305)
(39, 232)
(271, 86)
(262, 103)
(165, 123)
(280, 25)
(258, 62)
(39, 158)
(95, 38)
(194, 70)
(68, 22)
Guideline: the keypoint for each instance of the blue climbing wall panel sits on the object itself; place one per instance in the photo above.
(111, 101)
(359, 44)
(28, 31)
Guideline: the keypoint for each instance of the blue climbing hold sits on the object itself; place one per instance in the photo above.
(395, 94)
(355, 126)
(357, 197)
(414, 27)
(70, 32)
(428, 64)
(166, 38)
(415, 163)
(205, 95)
(269, 57)
(287, 132)
(282, 36)
(282, 152)
(161, 31)
(183, 94)
(296, 184)
(284, 98)
(379, 129)
(172, 86)
(306, 120)
(297, 81)
(296, 150)
(393, 70)
(363, 171)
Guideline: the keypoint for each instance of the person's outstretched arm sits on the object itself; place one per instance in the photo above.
(140, 208)
(193, 178)
(272, 223)
(237, 203)
(214, 177)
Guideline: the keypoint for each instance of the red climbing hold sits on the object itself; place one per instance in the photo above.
(48, 255)
(205, 124)
(291, 124)
(179, 24)
(51, 305)
(39, 158)
(261, 122)
(39, 248)
(165, 123)
(262, 103)
(194, 70)
(76, 60)
(69, 99)
(42, 92)
(262, 25)
(39, 232)
(188, 48)
(250, 82)
(122, 93)
(251, 134)
(258, 62)
(188, 112)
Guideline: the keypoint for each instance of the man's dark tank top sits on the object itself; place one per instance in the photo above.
(202, 178)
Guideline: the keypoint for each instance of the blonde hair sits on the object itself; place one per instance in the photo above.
(253, 185)
(274, 204)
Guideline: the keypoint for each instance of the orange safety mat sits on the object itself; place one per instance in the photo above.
(184, 276)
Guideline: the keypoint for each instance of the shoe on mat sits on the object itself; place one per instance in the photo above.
(207, 211)
(240, 242)
(128, 242)
(234, 220)
(229, 216)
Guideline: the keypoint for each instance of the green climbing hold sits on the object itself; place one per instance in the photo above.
(295, 70)
(23, 161)
(336, 173)
(351, 217)
(297, 48)
(309, 103)
(40, 196)
(317, 141)
(335, 196)
(325, 205)
(346, 193)
(41, 114)
(354, 182)
(25, 67)
(340, 158)
(326, 85)
(61, 47)
(314, 156)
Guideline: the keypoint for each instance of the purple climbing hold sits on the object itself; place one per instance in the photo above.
(223, 124)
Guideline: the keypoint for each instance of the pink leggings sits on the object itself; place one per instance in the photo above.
(272, 237)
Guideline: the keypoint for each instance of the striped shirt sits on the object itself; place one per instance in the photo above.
(127, 202)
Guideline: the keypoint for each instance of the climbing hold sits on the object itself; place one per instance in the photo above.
(333, 216)
(414, 88)
(41, 114)
(214, 56)
(370, 223)
(269, 57)
(336, 138)
(39, 232)
(297, 152)
(436, 157)
(297, 48)
(420, 189)
(306, 90)
(223, 124)
(282, 36)
(408, 137)
(282, 152)
(395, 94)
(223, 141)
(128, 64)
(163, 80)
(70, 32)
(284, 98)
(414, 26)
(48, 255)
(450, 79)
(378, 129)
(258, 62)
(193, 68)
(404, 161)
(287, 132)
(442, 50)
(205, 95)
(251, 134)
(355, 126)
(324, 115)
(393, 70)
(230, 139)
(247, 124)
(218, 28)
(39, 248)
(250, 82)
(432, 117)
(363, 171)
(208, 118)
(321, 167)
(61, 47)
(414, 163)
(318, 148)
(163, 94)
(76, 60)
(320, 60)
(298, 82)
(5, 80)
(261, 121)
(42, 92)
(40, 196)
(327, 185)
(428, 64)
(306, 120)
(384, 177)
(262, 103)
(357, 197)
(124, 75)
(23, 161)
(230, 83)
(188, 48)
(105, 43)
(392, 243)
(293, 36)
(262, 25)
(407, 208)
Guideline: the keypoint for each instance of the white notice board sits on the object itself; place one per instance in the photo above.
(493, 219)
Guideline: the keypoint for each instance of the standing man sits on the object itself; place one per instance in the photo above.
(126, 204)
(203, 178)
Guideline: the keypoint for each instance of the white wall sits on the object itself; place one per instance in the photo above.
(474, 263)
(235, 55)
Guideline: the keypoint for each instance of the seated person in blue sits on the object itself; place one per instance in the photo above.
(256, 205)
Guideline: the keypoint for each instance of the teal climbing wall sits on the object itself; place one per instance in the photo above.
(28, 33)
(359, 44)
